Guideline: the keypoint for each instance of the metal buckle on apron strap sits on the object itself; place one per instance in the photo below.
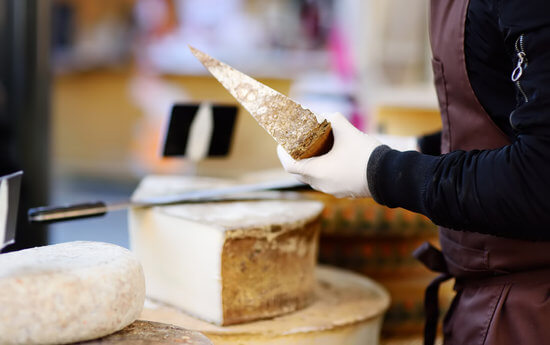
(433, 259)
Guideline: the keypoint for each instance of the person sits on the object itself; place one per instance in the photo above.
(489, 189)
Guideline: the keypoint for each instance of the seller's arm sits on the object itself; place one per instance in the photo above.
(504, 191)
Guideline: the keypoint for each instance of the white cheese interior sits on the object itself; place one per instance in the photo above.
(181, 260)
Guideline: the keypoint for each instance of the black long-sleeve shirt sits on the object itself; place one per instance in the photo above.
(506, 191)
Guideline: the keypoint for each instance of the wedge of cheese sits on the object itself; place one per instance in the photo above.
(68, 292)
(228, 262)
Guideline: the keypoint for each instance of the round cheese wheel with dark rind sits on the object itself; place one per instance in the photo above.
(68, 292)
(152, 333)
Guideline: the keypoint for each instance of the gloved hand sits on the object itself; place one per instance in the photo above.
(342, 171)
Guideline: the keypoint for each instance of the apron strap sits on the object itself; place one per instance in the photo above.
(433, 259)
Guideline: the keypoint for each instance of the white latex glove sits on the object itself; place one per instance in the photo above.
(342, 171)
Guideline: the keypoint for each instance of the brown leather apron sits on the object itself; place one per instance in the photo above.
(502, 285)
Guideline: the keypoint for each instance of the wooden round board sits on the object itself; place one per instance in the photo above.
(151, 333)
(348, 309)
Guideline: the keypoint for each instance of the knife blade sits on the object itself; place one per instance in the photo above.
(240, 192)
(295, 128)
(9, 203)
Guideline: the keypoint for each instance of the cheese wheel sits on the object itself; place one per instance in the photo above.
(68, 292)
(152, 333)
(347, 309)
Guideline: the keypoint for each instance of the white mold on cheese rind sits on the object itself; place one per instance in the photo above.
(68, 292)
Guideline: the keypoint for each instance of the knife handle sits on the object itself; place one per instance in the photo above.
(51, 214)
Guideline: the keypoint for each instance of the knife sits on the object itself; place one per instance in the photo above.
(9, 203)
(241, 192)
(295, 128)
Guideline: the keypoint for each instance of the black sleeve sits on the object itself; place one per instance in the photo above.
(430, 144)
(505, 191)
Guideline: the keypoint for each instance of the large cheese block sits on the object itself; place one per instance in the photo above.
(348, 309)
(68, 292)
(229, 262)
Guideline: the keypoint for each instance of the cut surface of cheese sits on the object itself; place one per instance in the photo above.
(229, 262)
(68, 292)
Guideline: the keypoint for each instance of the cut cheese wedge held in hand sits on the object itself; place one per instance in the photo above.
(68, 292)
(295, 128)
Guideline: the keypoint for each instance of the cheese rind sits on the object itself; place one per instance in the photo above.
(152, 333)
(68, 292)
(294, 127)
(227, 262)
(269, 276)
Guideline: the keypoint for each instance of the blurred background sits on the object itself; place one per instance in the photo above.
(87, 87)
